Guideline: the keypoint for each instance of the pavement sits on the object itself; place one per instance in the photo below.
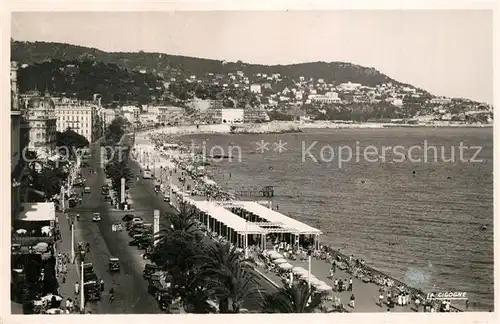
(67, 281)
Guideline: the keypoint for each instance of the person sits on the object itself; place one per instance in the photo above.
(88, 247)
(111, 294)
(330, 276)
(351, 303)
(77, 288)
(417, 303)
(350, 284)
(381, 299)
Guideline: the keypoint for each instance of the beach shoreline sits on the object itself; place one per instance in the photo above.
(164, 162)
(283, 127)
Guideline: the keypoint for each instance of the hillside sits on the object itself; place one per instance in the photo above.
(172, 66)
(84, 78)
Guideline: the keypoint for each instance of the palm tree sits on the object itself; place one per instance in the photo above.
(298, 298)
(230, 277)
(185, 221)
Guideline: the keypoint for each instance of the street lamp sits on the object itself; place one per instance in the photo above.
(309, 253)
(82, 295)
(72, 239)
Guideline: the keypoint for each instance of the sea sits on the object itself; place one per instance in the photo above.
(415, 203)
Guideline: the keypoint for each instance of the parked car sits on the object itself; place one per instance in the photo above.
(149, 269)
(127, 218)
(96, 217)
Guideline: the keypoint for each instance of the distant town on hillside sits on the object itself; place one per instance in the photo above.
(195, 86)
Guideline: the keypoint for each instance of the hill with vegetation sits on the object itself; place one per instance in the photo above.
(173, 66)
(85, 77)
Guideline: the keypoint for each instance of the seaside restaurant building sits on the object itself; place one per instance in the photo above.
(243, 222)
(288, 229)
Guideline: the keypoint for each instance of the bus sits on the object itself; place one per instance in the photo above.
(146, 174)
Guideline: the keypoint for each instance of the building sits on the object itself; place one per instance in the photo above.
(327, 98)
(131, 113)
(81, 117)
(232, 115)
(148, 119)
(255, 88)
(255, 114)
(440, 101)
(349, 86)
(19, 137)
(108, 115)
(15, 119)
(42, 123)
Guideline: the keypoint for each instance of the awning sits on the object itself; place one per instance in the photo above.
(38, 212)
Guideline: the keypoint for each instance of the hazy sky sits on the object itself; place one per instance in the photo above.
(445, 52)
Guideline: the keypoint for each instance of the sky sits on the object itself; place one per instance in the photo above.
(447, 52)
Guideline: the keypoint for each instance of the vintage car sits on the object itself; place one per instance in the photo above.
(128, 217)
(96, 217)
(114, 264)
(149, 269)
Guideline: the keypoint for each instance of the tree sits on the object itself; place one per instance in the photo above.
(229, 277)
(49, 181)
(116, 170)
(116, 129)
(69, 142)
(176, 253)
(293, 299)
(186, 222)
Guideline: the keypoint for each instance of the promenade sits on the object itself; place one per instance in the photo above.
(366, 294)
(67, 280)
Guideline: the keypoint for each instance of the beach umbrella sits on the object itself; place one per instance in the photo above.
(306, 275)
(49, 297)
(40, 248)
(285, 266)
(21, 231)
(54, 311)
(279, 261)
(276, 255)
(41, 245)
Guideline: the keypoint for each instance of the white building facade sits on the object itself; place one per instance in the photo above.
(78, 116)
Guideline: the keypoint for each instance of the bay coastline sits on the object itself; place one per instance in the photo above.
(217, 129)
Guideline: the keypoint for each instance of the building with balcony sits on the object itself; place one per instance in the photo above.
(19, 138)
(80, 117)
(42, 121)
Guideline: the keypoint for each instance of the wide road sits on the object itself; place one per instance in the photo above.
(131, 296)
